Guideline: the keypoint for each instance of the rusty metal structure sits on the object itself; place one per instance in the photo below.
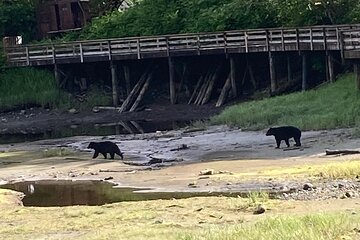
(58, 16)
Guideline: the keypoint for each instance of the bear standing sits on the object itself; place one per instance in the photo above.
(285, 133)
(104, 148)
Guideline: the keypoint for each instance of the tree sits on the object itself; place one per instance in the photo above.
(17, 17)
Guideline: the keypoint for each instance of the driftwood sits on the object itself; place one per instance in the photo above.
(105, 108)
(137, 126)
(224, 92)
(342, 152)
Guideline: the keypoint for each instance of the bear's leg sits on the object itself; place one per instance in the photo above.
(278, 141)
(287, 142)
(96, 153)
(297, 142)
(104, 154)
(112, 155)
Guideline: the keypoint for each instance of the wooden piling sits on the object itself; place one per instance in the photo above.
(126, 69)
(304, 72)
(289, 70)
(330, 67)
(114, 83)
(224, 92)
(172, 80)
(357, 74)
(273, 83)
(233, 75)
(57, 75)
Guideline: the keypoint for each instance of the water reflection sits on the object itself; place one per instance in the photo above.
(116, 128)
(69, 193)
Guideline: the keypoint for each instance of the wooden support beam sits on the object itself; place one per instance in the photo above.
(330, 66)
(304, 72)
(224, 92)
(357, 74)
(141, 94)
(114, 83)
(289, 70)
(233, 76)
(126, 69)
(126, 104)
(273, 82)
(252, 76)
(172, 80)
(196, 89)
(57, 74)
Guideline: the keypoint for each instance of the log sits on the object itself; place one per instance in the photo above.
(342, 152)
(224, 92)
(141, 94)
(133, 93)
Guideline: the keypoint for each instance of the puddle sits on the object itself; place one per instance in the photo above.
(116, 128)
(69, 193)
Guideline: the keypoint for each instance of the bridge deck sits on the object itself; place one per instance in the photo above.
(345, 38)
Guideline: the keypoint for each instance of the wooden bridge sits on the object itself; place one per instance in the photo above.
(345, 38)
(340, 38)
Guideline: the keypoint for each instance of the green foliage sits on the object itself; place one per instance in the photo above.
(155, 17)
(27, 86)
(17, 17)
(332, 106)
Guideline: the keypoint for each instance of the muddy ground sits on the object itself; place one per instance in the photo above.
(176, 161)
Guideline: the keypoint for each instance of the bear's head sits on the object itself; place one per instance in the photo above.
(270, 132)
(92, 145)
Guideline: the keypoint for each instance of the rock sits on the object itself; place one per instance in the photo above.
(192, 185)
(4, 120)
(108, 178)
(159, 221)
(349, 194)
(73, 111)
(96, 109)
(207, 172)
(308, 186)
(260, 209)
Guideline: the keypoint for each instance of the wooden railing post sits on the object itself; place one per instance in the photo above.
(267, 40)
(198, 44)
(325, 40)
(81, 53)
(109, 50)
(138, 48)
(27, 56)
(297, 40)
(311, 40)
(246, 42)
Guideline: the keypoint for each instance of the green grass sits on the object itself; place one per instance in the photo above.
(24, 87)
(311, 227)
(27, 87)
(330, 106)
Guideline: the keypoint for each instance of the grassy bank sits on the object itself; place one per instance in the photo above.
(27, 87)
(330, 106)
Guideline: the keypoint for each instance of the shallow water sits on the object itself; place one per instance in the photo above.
(46, 193)
(116, 128)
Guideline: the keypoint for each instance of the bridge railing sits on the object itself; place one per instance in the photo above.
(241, 41)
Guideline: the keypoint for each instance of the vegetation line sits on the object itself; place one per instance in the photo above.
(331, 106)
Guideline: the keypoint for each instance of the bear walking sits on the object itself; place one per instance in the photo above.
(104, 148)
(285, 133)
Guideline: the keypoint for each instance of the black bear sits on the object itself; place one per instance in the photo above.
(285, 133)
(104, 148)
